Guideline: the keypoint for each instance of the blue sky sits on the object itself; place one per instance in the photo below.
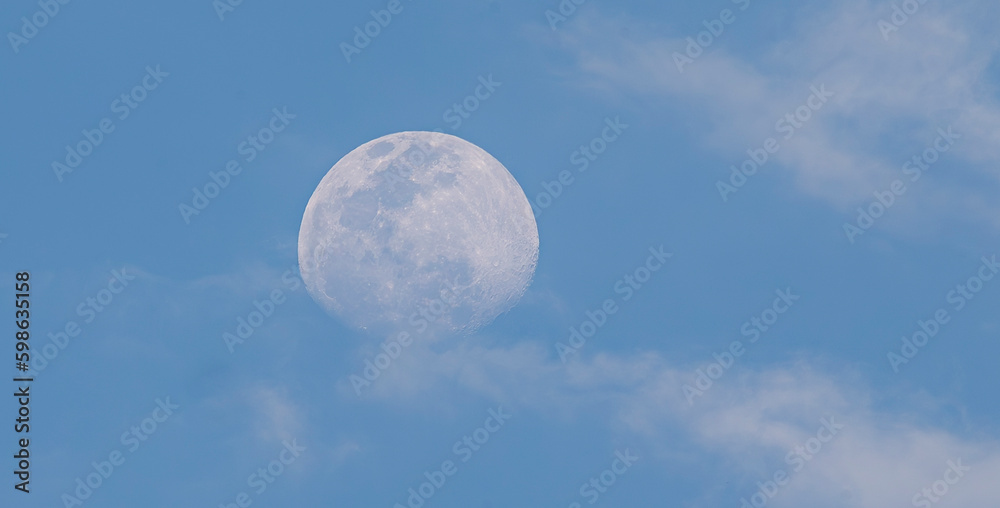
(868, 89)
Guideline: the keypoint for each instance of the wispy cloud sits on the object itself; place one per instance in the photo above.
(890, 96)
(752, 422)
(277, 418)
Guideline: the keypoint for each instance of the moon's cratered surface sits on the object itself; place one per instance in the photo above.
(418, 230)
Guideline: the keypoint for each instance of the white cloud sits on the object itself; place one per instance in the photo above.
(749, 419)
(891, 96)
(277, 418)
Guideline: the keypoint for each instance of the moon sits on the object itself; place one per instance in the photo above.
(418, 231)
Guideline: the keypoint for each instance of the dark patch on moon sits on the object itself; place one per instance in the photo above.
(381, 150)
(445, 179)
(359, 210)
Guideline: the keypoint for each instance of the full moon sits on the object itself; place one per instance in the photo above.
(416, 231)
